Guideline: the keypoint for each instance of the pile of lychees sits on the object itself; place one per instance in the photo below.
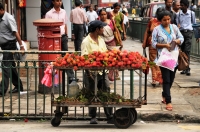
(111, 58)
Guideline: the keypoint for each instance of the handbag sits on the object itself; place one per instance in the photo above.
(183, 61)
(116, 35)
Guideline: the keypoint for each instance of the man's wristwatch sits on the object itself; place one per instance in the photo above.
(21, 45)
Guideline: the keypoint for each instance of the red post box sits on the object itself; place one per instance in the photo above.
(49, 39)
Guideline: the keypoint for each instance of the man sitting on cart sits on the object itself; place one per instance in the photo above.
(93, 42)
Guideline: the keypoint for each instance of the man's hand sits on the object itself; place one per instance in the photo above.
(22, 48)
(124, 37)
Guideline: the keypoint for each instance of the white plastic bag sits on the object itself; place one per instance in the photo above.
(168, 59)
(19, 56)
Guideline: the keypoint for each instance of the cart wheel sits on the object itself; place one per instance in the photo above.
(123, 118)
(55, 122)
(134, 113)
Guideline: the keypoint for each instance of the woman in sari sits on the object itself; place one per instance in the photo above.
(108, 36)
(109, 29)
(156, 73)
(118, 17)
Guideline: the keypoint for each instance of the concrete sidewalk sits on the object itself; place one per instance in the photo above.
(185, 94)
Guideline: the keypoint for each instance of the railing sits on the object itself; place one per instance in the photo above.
(137, 28)
(33, 104)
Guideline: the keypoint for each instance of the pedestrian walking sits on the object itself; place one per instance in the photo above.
(126, 21)
(168, 6)
(176, 6)
(8, 37)
(185, 19)
(85, 23)
(118, 17)
(125, 9)
(91, 14)
(133, 12)
(78, 18)
(58, 13)
(155, 70)
(109, 29)
(162, 36)
(96, 9)
(109, 38)
(93, 42)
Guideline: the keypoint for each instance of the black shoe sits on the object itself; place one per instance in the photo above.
(110, 121)
(183, 72)
(93, 121)
(15, 90)
(187, 72)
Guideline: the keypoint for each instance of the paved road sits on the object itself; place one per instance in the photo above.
(84, 126)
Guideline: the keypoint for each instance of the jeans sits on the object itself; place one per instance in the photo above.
(103, 84)
(64, 47)
(168, 79)
(78, 33)
(7, 73)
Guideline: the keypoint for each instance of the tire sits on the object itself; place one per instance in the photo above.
(55, 122)
(123, 118)
(134, 113)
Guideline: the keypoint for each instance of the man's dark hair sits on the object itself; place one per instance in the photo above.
(1, 6)
(93, 29)
(78, 3)
(163, 13)
(124, 12)
(185, 3)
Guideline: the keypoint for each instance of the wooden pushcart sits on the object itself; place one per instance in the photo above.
(125, 113)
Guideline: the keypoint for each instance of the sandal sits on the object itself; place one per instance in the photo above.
(169, 107)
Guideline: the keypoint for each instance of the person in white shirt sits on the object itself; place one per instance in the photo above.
(125, 9)
(91, 14)
(126, 21)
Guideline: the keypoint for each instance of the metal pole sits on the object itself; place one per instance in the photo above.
(95, 90)
(140, 84)
(131, 84)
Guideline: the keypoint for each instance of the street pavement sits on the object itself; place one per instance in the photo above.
(84, 126)
(185, 93)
